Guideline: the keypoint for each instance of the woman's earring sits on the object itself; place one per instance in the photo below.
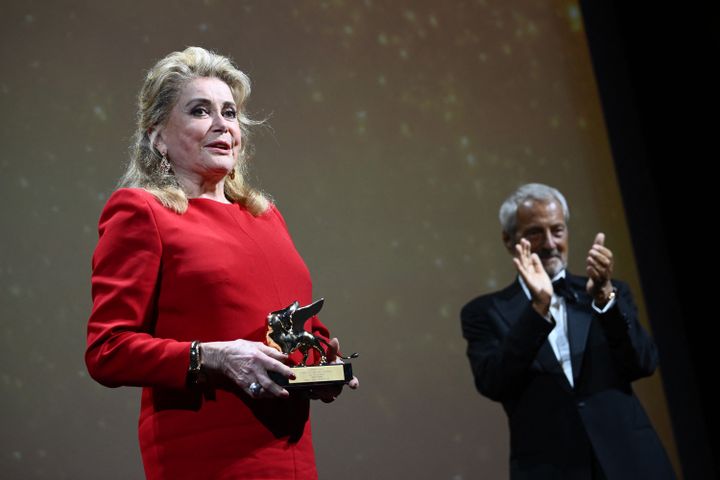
(232, 149)
(164, 165)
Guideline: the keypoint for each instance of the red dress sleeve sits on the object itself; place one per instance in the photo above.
(121, 348)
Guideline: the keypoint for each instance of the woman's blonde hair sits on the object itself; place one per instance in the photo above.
(159, 93)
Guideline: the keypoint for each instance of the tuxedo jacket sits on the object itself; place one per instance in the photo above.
(557, 429)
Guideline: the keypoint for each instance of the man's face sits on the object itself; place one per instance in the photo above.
(543, 225)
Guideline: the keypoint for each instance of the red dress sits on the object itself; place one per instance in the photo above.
(161, 280)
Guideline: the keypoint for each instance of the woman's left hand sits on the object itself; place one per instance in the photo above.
(329, 393)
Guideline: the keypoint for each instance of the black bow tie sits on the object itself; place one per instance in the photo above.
(562, 289)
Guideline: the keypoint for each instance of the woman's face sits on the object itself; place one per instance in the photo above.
(202, 137)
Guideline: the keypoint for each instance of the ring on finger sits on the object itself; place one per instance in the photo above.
(255, 388)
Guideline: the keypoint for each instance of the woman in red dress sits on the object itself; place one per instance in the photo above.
(189, 262)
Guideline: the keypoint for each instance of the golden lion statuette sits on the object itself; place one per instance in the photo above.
(286, 332)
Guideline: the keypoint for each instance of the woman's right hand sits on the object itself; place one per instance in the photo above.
(245, 362)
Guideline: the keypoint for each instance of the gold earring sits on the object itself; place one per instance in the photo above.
(232, 174)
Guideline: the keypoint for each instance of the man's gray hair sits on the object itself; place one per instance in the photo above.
(529, 191)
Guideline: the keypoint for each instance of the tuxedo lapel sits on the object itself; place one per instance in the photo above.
(579, 317)
(511, 302)
(546, 357)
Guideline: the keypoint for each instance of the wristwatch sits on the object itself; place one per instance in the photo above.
(612, 295)
(609, 298)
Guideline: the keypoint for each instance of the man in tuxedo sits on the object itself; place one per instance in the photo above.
(559, 352)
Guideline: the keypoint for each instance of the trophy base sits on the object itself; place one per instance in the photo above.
(315, 375)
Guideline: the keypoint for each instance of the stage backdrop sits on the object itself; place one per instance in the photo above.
(394, 130)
